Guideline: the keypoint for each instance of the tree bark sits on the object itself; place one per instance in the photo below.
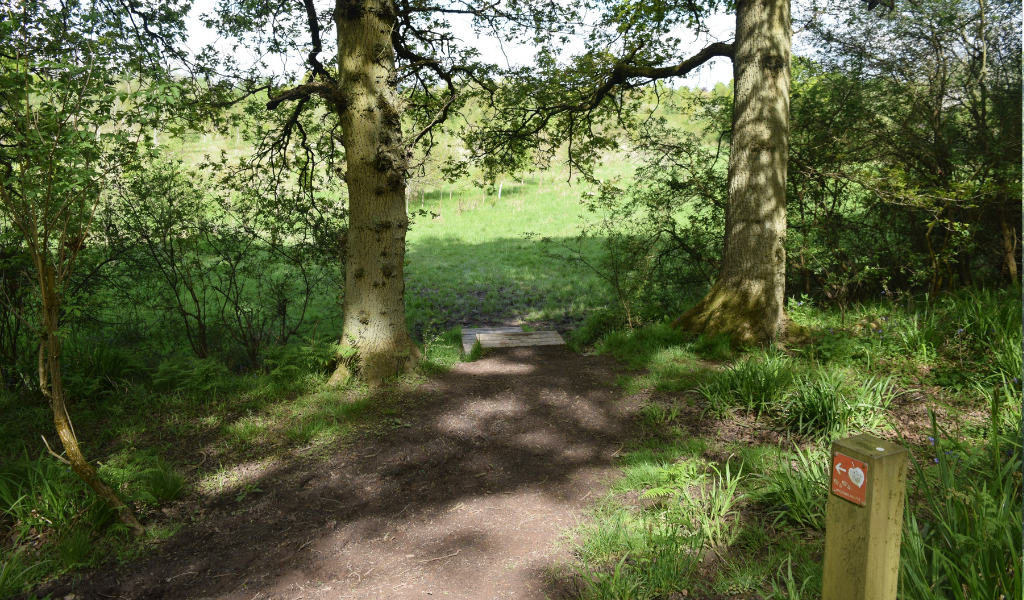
(375, 340)
(1009, 239)
(746, 301)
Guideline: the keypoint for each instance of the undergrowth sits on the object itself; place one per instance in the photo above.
(762, 533)
(54, 524)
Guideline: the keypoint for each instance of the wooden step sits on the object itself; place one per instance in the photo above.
(521, 338)
(469, 334)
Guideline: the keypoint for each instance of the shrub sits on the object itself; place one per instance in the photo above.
(443, 351)
(597, 325)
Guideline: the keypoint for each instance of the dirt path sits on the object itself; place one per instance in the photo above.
(469, 501)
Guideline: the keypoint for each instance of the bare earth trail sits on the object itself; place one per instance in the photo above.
(468, 501)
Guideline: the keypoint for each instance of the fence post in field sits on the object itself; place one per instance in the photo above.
(864, 519)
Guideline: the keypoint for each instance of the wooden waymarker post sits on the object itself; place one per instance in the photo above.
(864, 519)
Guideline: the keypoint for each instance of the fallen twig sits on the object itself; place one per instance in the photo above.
(440, 557)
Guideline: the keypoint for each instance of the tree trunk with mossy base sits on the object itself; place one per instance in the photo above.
(375, 340)
(746, 301)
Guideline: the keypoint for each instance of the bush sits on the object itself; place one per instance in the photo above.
(596, 326)
(443, 351)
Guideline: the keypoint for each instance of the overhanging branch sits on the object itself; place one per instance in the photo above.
(304, 91)
(623, 72)
(714, 50)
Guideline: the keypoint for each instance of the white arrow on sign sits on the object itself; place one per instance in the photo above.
(839, 467)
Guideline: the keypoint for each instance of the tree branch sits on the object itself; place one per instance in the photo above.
(314, 32)
(300, 92)
(624, 71)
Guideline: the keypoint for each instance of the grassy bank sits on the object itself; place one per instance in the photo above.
(725, 493)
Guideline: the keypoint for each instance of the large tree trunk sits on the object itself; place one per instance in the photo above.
(746, 300)
(375, 339)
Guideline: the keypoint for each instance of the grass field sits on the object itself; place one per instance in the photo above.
(478, 259)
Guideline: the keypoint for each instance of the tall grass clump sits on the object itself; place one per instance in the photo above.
(637, 347)
(706, 506)
(980, 326)
(818, 406)
(823, 406)
(162, 482)
(194, 377)
(756, 384)
(634, 555)
(652, 552)
(15, 576)
(40, 497)
(962, 536)
(716, 348)
(797, 488)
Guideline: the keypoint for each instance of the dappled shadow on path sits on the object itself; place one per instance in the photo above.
(467, 501)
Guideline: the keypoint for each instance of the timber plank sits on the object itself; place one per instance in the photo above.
(522, 338)
(469, 334)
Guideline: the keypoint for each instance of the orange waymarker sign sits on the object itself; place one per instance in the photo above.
(849, 478)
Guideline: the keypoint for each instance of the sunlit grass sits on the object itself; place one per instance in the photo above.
(486, 261)
(845, 379)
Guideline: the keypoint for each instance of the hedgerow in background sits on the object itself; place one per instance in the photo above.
(661, 235)
(873, 211)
